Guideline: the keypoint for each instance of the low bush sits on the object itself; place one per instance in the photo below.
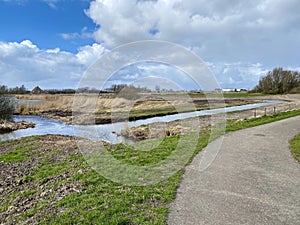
(7, 107)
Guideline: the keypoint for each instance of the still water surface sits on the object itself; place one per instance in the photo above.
(108, 132)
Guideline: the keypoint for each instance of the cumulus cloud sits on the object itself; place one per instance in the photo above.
(240, 40)
(239, 74)
(25, 63)
(191, 21)
(238, 32)
(150, 74)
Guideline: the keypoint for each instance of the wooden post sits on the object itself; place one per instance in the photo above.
(274, 110)
(265, 111)
(254, 113)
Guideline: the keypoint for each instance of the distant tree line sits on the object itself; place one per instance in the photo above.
(127, 91)
(60, 91)
(16, 90)
(116, 88)
(279, 81)
(23, 90)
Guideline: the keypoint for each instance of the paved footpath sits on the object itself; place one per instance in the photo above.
(253, 180)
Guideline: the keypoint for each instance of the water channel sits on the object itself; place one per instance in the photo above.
(108, 132)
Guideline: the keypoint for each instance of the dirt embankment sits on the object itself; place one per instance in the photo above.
(8, 126)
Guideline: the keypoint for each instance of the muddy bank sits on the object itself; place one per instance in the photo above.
(9, 126)
(60, 115)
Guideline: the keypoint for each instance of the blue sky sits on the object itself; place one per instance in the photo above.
(43, 23)
(51, 43)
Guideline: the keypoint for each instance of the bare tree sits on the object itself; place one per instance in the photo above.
(278, 81)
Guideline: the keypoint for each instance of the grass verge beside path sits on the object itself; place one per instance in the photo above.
(233, 125)
(51, 183)
(295, 147)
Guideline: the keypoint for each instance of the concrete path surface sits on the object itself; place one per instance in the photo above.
(253, 180)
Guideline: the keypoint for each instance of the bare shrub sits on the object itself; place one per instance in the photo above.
(7, 107)
(130, 93)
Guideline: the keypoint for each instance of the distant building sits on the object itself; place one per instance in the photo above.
(218, 90)
(234, 90)
(36, 91)
(228, 90)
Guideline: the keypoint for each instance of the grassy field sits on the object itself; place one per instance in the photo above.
(295, 147)
(45, 180)
(59, 187)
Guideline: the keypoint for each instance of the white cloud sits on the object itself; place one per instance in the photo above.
(89, 54)
(239, 74)
(238, 32)
(84, 34)
(25, 63)
(51, 3)
(240, 39)
(232, 30)
(28, 44)
(150, 74)
(20, 2)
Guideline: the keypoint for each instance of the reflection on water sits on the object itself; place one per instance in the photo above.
(108, 132)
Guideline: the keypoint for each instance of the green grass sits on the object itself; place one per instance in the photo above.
(233, 125)
(144, 158)
(4, 206)
(225, 94)
(295, 147)
(15, 156)
(106, 202)
(229, 95)
(102, 201)
(19, 154)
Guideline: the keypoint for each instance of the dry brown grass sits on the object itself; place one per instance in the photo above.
(61, 107)
(48, 103)
(65, 103)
